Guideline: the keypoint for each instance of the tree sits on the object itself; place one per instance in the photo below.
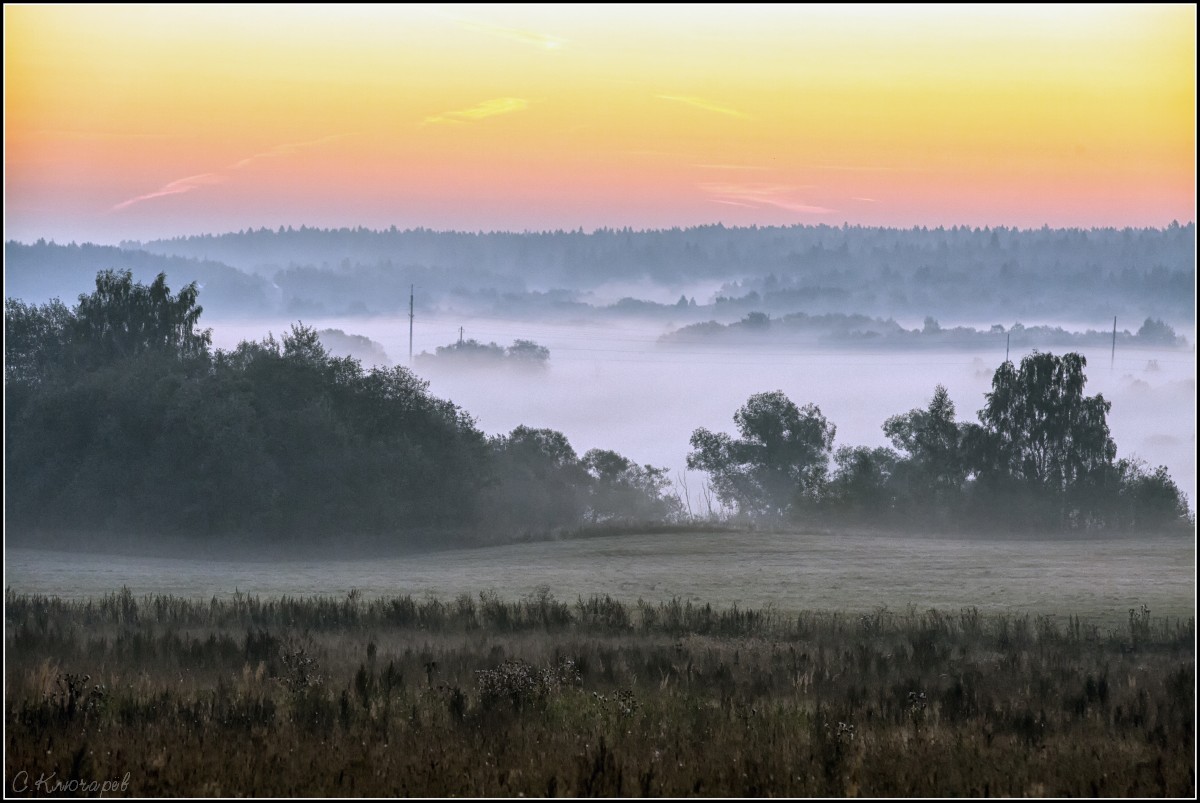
(540, 482)
(782, 456)
(122, 318)
(861, 480)
(118, 419)
(1042, 451)
(1150, 499)
(36, 339)
(529, 353)
(621, 489)
(1155, 331)
(470, 349)
(934, 467)
(1041, 429)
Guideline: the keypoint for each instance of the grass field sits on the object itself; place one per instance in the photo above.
(702, 663)
(475, 696)
(1097, 578)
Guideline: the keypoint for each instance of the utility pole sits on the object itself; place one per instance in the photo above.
(412, 290)
(1007, 340)
(1113, 360)
(460, 333)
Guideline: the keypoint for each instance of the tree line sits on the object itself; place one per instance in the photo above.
(855, 331)
(1040, 457)
(977, 273)
(471, 352)
(122, 417)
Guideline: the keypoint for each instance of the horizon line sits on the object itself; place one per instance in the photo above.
(393, 229)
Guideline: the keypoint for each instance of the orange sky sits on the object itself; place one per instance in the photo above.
(142, 121)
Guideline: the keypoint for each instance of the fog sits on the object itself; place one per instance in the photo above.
(860, 321)
(610, 384)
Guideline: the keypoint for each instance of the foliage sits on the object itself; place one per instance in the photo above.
(1039, 428)
(862, 481)
(539, 482)
(781, 459)
(1042, 453)
(123, 318)
(623, 490)
(1041, 458)
(120, 418)
(36, 341)
(361, 348)
(528, 352)
(934, 467)
(521, 354)
(1149, 499)
(470, 348)
(1155, 331)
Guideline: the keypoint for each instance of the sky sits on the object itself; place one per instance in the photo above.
(137, 122)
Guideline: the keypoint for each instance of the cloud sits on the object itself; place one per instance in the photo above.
(177, 187)
(541, 40)
(758, 195)
(706, 105)
(867, 200)
(287, 149)
(489, 108)
(183, 185)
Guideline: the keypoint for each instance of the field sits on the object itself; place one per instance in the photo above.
(705, 663)
(1095, 578)
(477, 696)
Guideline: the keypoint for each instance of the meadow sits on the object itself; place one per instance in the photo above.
(478, 695)
(1052, 575)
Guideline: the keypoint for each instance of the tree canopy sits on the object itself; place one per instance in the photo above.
(1041, 457)
(120, 416)
(1039, 428)
(781, 457)
(934, 467)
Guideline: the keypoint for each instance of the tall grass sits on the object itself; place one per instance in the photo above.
(481, 696)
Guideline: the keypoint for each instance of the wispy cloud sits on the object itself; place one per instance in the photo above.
(287, 149)
(480, 111)
(757, 195)
(706, 105)
(183, 185)
(866, 200)
(176, 187)
(535, 38)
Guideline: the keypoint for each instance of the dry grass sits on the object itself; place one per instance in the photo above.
(479, 696)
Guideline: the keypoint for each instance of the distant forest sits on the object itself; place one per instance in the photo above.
(121, 417)
(993, 276)
(836, 329)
